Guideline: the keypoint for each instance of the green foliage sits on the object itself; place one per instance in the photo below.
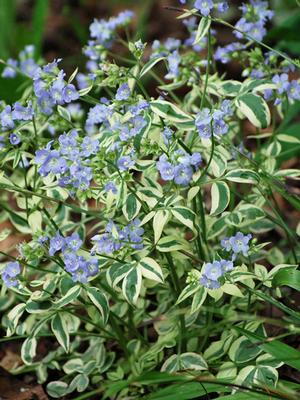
(150, 249)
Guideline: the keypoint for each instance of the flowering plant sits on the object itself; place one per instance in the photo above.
(152, 237)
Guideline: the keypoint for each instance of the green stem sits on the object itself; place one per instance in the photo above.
(89, 395)
(202, 217)
(176, 290)
(119, 334)
(207, 68)
(76, 209)
(198, 238)
(26, 264)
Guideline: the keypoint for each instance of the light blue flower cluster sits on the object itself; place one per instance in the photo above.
(223, 54)
(284, 89)
(237, 244)
(117, 237)
(213, 121)
(70, 162)
(134, 124)
(126, 130)
(80, 268)
(179, 167)
(255, 16)
(99, 114)
(102, 33)
(10, 273)
(169, 49)
(25, 64)
(9, 116)
(123, 92)
(15, 113)
(51, 89)
(212, 272)
(206, 6)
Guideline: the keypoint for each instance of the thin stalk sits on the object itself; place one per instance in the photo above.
(88, 395)
(73, 207)
(26, 264)
(202, 217)
(119, 334)
(207, 68)
(198, 238)
(176, 290)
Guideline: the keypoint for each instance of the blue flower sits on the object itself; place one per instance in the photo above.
(138, 108)
(238, 243)
(282, 82)
(21, 113)
(204, 6)
(89, 146)
(10, 273)
(56, 91)
(73, 242)
(28, 67)
(173, 60)
(219, 125)
(105, 244)
(69, 93)
(196, 160)
(110, 187)
(223, 54)
(254, 19)
(124, 163)
(165, 168)
(183, 174)
(213, 270)
(46, 103)
(10, 69)
(226, 265)
(115, 237)
(68, 145)
(103, 31)
(203, 123)
(222, 6)
(55, 163)
(79, 267)
(70, 162)
(180, 167)
(138, 123)
(98, 114)
(123, 93)
(213, 121)
(14, 139)
(167, 135)
(57, 243)
(6, 118)
(72, 261)
(294, 90)
(42, 240)
(92, 267)
(257, 74)
(209, 283)
(133, 233)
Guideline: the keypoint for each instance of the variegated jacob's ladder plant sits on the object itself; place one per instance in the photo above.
(145, 194)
